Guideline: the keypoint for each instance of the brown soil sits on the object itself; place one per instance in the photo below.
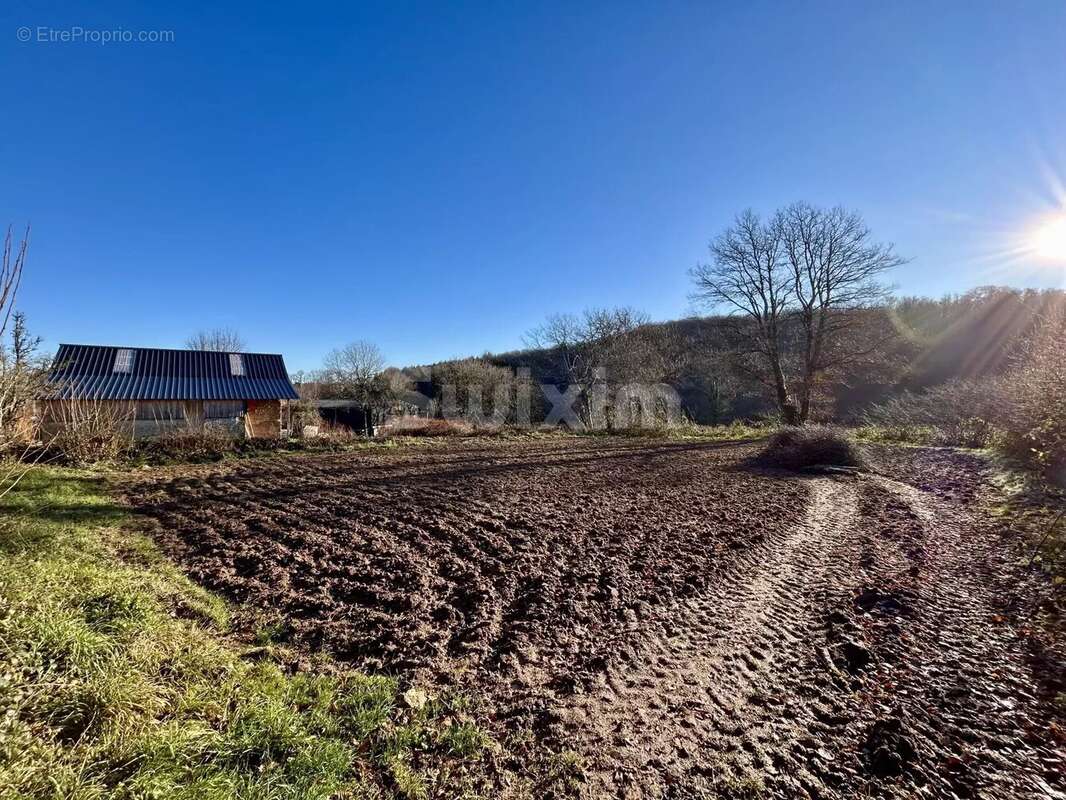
(686, 626)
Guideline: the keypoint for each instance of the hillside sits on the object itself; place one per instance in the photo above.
(928, 341)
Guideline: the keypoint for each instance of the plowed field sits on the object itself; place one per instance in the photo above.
(683, 625)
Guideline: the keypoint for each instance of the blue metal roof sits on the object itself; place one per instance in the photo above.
(85, 371)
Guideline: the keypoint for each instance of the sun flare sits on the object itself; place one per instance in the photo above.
(1049, 240)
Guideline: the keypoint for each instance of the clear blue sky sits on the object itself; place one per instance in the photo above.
(438, 177)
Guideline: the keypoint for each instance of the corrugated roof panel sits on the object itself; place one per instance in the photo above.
(87, 371)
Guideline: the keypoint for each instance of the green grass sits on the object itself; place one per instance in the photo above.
(691, 432)
(734, 431)
(1030, 507)
(118, 680)
(919, 435)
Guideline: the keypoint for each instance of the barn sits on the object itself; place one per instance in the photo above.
(153, 391)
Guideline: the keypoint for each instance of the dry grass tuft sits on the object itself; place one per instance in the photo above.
(429, 426)
(813, 446)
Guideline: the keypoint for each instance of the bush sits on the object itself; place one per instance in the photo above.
(957, 413)
(83, 432)
(1032, 420)
(339, 434)
(798, 448)
(23, 377)
(428, 426)
(303, 413)
(88, 431)
(1020, 413)
(193, 442)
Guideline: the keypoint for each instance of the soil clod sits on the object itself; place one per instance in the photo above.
(649, 619)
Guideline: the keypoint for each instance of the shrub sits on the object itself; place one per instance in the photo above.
(88, 431)
(23, 377)
(83, 432)
(340, 434)
(428, 426)
(797, 448)
(191, 442)
(1019, 413)
(957, 413)
(1032, 419)
(304, 413)
(195, 442)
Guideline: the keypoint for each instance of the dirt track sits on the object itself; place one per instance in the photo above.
(689, 627)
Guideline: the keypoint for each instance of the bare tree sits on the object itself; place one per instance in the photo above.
(23, 377)
(11, 263)
(747, 275)
(356, 371)
(564, 334)
(223, 340)
(837, 269)
(24, 345)
(599, 347)
(801, 279)
(22, 372)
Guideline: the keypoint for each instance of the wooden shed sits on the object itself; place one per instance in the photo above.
(155, 390)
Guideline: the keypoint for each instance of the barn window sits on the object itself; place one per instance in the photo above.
(236, 364)
(223, 409)
(123, 361)
(161, 410)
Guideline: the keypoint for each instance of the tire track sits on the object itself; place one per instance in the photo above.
(965, 688)
(712, 700)
(691, 628)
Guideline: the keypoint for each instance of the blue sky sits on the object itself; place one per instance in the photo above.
(439, 177)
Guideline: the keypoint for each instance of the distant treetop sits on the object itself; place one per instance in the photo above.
(223, 340)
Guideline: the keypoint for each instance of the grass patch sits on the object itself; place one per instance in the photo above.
(736, 431)
(920, 435)
(566, 771)
(1031, 507)
(1032, 512)
(117, 680)
(689, 432)
(750, 787)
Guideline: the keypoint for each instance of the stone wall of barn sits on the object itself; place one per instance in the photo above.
(263, 419)
(149, 418)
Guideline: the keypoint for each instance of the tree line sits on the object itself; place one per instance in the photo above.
(797, 304)
(800, 324)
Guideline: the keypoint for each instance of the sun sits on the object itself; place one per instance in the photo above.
(1049, 240)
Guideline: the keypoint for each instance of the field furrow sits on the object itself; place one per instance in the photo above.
(663, 619)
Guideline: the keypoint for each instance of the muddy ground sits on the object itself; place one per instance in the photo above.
(668, 621)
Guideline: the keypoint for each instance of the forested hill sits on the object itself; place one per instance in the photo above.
(928, 342)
